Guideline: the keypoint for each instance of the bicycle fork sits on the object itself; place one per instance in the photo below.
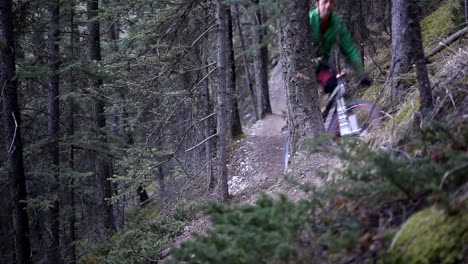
(348, 124)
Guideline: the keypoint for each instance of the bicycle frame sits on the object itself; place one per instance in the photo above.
(336, 108)
(347, 123)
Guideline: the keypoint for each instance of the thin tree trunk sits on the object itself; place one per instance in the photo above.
(222, 192)
(425, 91)
(362, 30)
(13, 142)
(119, 115)
(246, 66)
(236, 127)
(207, 132)
(103, 168)
(388, 15)
(261, 65)
(70, 251)
(304, 116)
(466, 13)
(401, 44)
(52, 234)
(162, 185)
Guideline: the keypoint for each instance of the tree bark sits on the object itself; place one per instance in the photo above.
(207, 130)
(261, 64)
(236, 127)
(13, 142)
(466, 13)
(246, 66)
(222, 192)
(401, 44)
(304, 115)
(103, 168)
(414, 31)
(52, 236)
(70, 252)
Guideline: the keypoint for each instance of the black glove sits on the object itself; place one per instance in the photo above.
(365, 81)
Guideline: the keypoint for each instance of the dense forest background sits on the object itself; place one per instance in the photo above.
(117, 111)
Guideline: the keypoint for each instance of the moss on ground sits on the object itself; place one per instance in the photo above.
(372, 92)
(439, 24)
(405, 113)
(407, 109)
(431, 236)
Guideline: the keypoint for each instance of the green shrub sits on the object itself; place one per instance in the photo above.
(143, 243)
(374, 191)
(434, 161)
(187, 212)
(266, 232)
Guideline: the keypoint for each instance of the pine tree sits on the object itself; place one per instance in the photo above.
(13, 140)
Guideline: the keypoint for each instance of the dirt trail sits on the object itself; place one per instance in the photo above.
(255, 163)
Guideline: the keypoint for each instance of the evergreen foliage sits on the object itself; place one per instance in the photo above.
(144, 237)
(265, 232)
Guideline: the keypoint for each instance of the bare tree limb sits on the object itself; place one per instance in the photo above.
(14, 134)
(446, 42)
(199, 144)
(169, 116)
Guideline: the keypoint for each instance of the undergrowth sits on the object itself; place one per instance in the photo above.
(145, 236)
(355, 217)
(265, 232)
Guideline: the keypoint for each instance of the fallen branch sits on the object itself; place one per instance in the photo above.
(446, 42)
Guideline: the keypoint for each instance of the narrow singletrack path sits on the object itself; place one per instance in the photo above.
(255, 163)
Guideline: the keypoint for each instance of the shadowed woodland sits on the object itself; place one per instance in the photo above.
(123, 123)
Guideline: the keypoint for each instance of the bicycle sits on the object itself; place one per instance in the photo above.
(354, 118)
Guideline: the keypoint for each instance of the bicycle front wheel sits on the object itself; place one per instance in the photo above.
(367, 117)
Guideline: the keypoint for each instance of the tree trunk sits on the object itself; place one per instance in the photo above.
(401, 44)
(236, 127)
(70, 252)
(414, 31)
(466, 13)
(304, 116)
(207, 130)
(362, 29)
(13, 142)
(162, 185)
(222, 192)
(246, 67)
(52, 236)
(113, 26)
(261, 64)
(103, 168)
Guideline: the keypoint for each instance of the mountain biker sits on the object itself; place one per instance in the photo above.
(327, 29)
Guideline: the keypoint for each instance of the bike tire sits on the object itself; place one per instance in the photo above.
(367, 115)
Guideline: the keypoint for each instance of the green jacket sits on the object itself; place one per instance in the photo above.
(324, 43)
